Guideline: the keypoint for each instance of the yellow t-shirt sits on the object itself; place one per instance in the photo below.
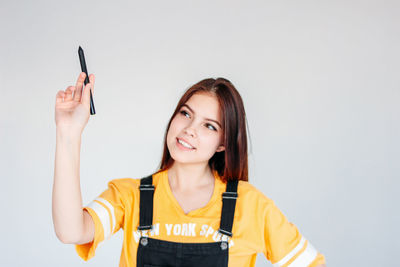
(258, 226)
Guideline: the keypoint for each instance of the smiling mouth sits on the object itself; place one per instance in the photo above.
(184, 145)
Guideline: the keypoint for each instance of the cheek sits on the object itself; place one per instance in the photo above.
(175, 124)
(173, 129)
(211, 138)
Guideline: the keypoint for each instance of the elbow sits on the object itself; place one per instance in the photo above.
(66, 239)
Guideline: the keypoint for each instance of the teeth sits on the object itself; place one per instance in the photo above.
(184, 144)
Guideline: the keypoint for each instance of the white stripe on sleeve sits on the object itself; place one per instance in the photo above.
(111, 208)
(291, 253)
(103, 215)
(305, 258)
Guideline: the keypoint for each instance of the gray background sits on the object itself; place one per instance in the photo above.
(320, 83)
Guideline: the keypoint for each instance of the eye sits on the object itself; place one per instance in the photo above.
(184, 113)
(213, 128)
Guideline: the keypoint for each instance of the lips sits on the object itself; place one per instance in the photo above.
(185, 142)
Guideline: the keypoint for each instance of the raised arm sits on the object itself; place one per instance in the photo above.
(72, 225)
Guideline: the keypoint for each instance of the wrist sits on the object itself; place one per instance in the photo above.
(68, 133)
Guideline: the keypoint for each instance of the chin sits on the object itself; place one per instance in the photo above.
(184, 158)
(178, 157)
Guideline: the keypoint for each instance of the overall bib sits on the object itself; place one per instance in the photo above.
(160, 253)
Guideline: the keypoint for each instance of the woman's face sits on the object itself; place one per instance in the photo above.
(198, 123)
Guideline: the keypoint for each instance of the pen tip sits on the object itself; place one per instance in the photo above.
(80, 48)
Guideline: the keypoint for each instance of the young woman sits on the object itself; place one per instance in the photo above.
(197, 209)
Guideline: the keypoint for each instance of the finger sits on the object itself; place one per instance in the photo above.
(60, 96)
(78, 86)
(91, 80)
(68, 93)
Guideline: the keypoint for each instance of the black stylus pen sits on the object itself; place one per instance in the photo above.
(84, 69)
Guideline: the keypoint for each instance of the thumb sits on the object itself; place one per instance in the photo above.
(86, 94)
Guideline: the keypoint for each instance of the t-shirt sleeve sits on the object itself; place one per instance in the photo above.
(107, 211)
(284, 244)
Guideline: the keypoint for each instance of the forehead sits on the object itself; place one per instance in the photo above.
(205, 105)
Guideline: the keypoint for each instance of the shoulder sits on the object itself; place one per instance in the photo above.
(124, 184)
(248, 189)
(249, 193)
(128, 186)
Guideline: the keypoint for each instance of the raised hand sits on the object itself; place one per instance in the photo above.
(72, 110)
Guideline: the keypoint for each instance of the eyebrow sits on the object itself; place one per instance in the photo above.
(191, 110)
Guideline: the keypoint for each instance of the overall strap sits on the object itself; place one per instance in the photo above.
(146, 203)
(228, 207)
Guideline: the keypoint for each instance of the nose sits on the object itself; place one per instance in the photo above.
(189, 130)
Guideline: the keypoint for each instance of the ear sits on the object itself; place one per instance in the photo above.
(220, 148)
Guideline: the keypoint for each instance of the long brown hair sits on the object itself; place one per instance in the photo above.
(231, 164)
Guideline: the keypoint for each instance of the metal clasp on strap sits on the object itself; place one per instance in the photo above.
(145, 227)
(230, 195)
(223, 232)
(142, 231)
(225, 235)
(146, 187)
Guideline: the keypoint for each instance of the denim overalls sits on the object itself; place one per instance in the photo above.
(160, 253)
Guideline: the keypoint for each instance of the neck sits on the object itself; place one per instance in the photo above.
(184, 177)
